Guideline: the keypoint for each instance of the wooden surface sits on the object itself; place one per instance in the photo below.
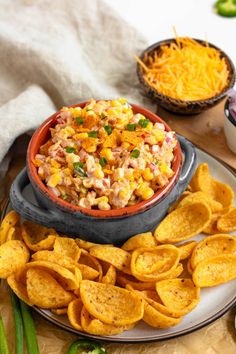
(205, 130)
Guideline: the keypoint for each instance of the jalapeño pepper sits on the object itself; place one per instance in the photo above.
(91, 347)
(226, 8)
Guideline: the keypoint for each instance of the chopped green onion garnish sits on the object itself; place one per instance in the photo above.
(70, 149)
(135, 153)
(103, 115)
(143, 123)
(108, 129)
(92, 134)
(131, 127)
(156, 162)
(103, 161)
(79, 120)
(78, 167)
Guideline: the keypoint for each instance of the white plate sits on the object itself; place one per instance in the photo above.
(214, 301)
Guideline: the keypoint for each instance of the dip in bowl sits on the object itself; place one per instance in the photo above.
(103, 170)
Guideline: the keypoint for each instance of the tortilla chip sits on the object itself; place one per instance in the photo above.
(13, 255)
(141, 240)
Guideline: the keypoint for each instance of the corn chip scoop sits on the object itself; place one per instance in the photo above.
(183, 223)
(215, 271)
(227, 222)
(55, 257)
(201, 197)
(44, 291)
(152, 264)
(74, 313)
(38, 237)
(13, 255)
(111, 304)
(212, 246)
(186, 249)
(8, 226)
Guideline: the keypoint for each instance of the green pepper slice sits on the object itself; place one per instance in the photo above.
(92, 347)
(226, 8)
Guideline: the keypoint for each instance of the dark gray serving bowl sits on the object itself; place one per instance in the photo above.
(112, 226)
(176, 105)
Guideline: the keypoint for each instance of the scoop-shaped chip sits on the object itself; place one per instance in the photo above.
(183, 223)
(111, 304)
(92, 262)
(67, 247)
(126, 279)
(74, 313)
(203, 181)
(119, 258)
(156, 319)
(13, 255)
(141, 240)
(215, 271)
(201, 197)
(213, 246)
(38, 237)
(211, 228)
(227, 222)
(175, 205)
(19, 288)
(54, 257)
(180, 295)
(87, 272)
(95, 326)
(186, 249)
(86, 245)
(10, 220)
(152, 264)
(110, 276)
(44, 291)
(61, 311)
(66, 278)
(14, 233)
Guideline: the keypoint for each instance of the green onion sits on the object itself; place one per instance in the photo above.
(79, 168)
(103, 161)
(108, 129)
(70, 149)
(103, 115)
(156, 162)
(79, 120)
(135, 153)
(29, 327)
(131, 127)
(92, 134)
(3, 339)
(143, 123)
(19, 334)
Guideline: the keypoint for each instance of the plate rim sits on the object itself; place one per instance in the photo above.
(112, 339)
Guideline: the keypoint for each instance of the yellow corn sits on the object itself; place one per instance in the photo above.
(137, 174)
(133, 185)
(37, 162)
(147, 174)
(159, 135)
(91, 148)
(98, 173)
(67, 171)
(101, 199)
(123, 193)
(53, 180)
(64, 109)
(53, 170)
(55, 164)
(147, 193)
(149, 126)
(69, 130)
(106, 152)
(80, 136)
(116, 103)
(122, 100)
(114, 111)
(109, 172)
(76, 111)
(165, 169)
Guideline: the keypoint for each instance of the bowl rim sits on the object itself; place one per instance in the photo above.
(228, 115)
(212, 99)
(40, 136)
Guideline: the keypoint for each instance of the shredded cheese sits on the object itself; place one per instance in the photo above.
(186, 70)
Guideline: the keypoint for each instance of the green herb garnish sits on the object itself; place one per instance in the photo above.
(156, 162)
(108, 129)
(79, 169)
(131, 127)
(135, 153)
(103, 161)
(79, 120)
(70, 149)
(92, 134)
(143, 123)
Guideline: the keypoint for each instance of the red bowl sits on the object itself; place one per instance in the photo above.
(42, 134)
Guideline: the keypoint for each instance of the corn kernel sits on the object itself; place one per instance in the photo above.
(116, 103)
(108, 172)
(137, 174)
(114, 111)
(55, 164)
(149, 126)
(37, 162)
(165, 169)
(123, 100)
(53, 170)
(147, 193)
(104, 206)
(159, 135)
(101, 199)
(80, 136)
(147, 174)
(69, 130)
(106, 152)
(123, 193)
(98, 173)
(53, 180)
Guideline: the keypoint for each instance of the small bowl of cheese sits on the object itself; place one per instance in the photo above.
(185, 75)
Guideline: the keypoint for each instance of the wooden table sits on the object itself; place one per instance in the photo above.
(206, 131)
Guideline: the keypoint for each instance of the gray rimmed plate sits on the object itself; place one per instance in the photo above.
(214, 303)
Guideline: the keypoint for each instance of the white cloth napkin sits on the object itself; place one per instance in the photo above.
(55, 53)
